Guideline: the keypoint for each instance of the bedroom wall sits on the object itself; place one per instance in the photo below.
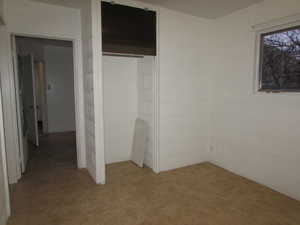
(254, 135)
(28, 17)
(184, 53)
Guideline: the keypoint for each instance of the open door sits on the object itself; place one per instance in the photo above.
(28, 92)
(17, 68)
(41, 92)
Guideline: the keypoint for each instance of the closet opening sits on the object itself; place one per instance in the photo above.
(129, 70)
(128, 96)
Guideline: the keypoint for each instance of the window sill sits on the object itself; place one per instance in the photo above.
(281, 93)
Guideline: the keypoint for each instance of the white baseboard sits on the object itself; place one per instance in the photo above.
(3, 219)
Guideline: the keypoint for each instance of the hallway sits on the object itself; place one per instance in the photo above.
(52, 168)
(56, 151)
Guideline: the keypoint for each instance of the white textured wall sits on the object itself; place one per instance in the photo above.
(146, 70)
(10, 123)
(184, 89)
(120, 106)
(59, 74)
(256, 136)
(28, 17)
(89, 94)
(85, 8)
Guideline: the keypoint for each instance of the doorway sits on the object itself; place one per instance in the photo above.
(128, 97)
(45, 99)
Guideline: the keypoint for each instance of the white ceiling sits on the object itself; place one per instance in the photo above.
(66, 3)
(204, 8)
(210, 9)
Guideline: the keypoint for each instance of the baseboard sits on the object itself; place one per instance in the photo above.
(3, 219)
(255, 180)
(61, 132)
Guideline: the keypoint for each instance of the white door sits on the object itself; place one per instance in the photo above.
(28, 92)
(23, 147)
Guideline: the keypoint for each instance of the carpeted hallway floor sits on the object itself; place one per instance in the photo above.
(54, 192)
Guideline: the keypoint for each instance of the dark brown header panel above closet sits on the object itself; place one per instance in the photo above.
(128, 30)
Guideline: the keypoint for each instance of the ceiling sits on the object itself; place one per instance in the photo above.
(210, 9)
(66, 3)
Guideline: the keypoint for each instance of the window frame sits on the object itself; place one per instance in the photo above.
(261, 30)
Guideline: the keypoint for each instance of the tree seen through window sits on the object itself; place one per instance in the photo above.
(280, 60)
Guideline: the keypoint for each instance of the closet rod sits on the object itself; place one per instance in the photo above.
(122, 55)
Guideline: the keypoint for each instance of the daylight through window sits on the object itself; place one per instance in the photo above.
(280, 60)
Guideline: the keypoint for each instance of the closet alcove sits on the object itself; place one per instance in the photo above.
(128, 67)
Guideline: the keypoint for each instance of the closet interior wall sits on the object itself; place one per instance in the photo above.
(128, 95)
(146, 70)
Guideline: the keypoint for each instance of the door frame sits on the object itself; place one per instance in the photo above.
(4, 163)
(98, 87)
(38, 65)
(78, 92)
(23, 138)
(17, 81)
(2, 142)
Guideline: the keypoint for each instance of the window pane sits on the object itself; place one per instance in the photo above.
(280, 61)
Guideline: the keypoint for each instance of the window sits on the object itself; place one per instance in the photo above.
(279, 61)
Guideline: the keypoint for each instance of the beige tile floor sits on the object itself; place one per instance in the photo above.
(54, 192)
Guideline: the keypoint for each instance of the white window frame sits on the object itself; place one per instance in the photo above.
(268, 27)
